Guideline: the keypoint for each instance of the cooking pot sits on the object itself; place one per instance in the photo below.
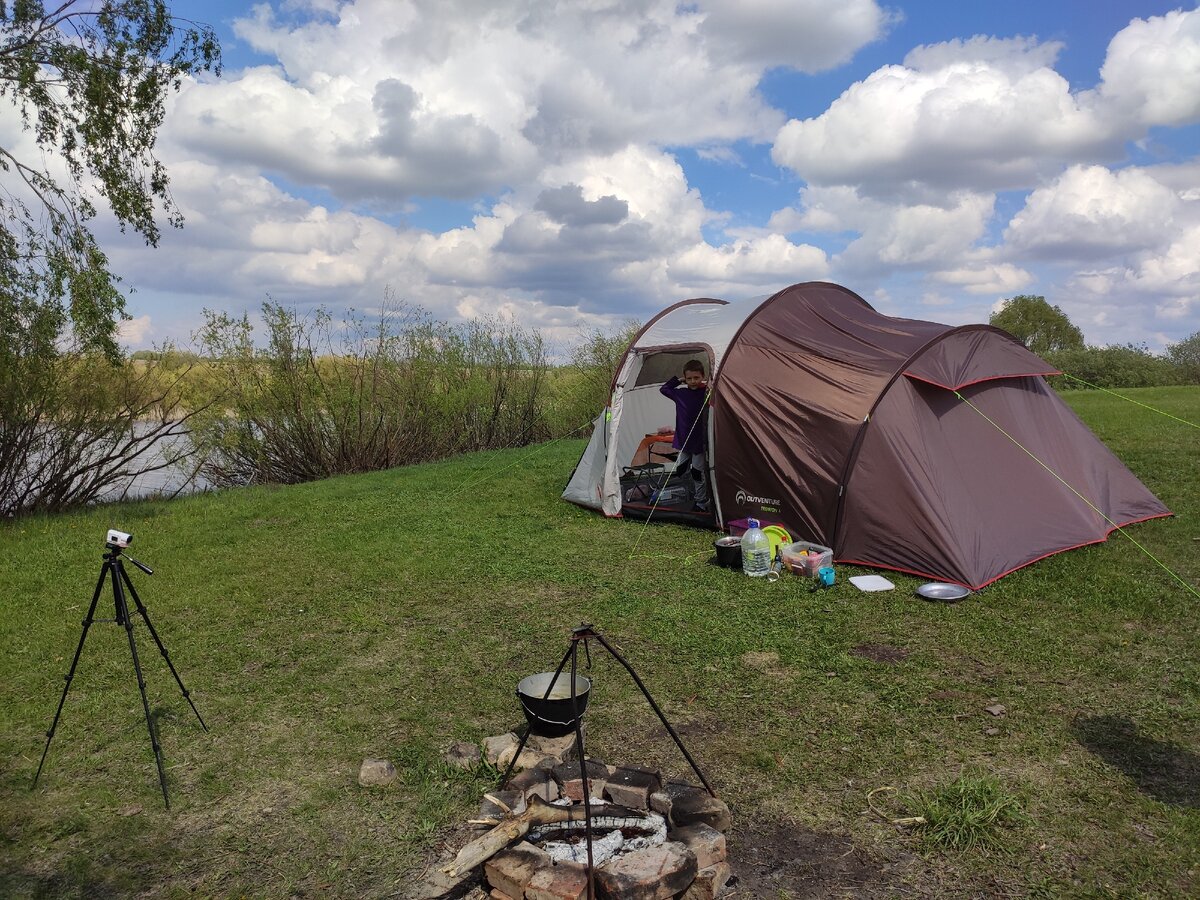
(555, 715)
(729, 552)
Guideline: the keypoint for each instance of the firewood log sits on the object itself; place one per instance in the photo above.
(515, 827)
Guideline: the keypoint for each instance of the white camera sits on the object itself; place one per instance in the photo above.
(118, 538)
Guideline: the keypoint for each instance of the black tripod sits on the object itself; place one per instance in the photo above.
(120, 580)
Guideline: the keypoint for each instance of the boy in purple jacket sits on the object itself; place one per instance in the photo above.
(691, 426)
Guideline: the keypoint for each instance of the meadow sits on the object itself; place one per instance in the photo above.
(390, 614)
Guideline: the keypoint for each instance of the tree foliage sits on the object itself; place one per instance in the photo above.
(1186, 355)
(1042, 328)
(88, 81)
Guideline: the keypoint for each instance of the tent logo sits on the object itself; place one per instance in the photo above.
(743, 498)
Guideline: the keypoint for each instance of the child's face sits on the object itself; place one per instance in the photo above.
(694, 380)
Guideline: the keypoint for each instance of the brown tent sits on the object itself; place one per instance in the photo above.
(901, 444)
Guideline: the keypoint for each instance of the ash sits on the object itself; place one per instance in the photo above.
(610, 839)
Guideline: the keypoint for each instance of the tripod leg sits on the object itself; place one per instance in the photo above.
(118, 572)
(583, 776)
(187, 695)
(87, 623)
(667, 725)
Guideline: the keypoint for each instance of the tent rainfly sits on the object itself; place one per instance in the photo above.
(905, 445)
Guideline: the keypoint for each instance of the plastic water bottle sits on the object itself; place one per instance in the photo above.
(756, 551)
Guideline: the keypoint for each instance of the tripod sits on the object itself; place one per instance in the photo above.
(114, 568)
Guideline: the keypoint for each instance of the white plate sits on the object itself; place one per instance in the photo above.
(871, 583)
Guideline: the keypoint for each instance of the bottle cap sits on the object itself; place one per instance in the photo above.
(753, 523)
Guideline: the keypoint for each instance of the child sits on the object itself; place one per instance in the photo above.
(691, 426)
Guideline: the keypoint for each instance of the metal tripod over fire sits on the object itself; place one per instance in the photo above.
(584, 633)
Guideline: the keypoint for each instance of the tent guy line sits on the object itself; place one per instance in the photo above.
(1131, 400)
(1093, 506)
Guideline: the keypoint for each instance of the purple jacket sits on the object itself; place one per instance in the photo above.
(689, 409)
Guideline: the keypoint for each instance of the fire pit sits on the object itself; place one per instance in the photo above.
(650, 838)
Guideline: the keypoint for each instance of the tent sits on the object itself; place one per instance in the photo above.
(902, 444)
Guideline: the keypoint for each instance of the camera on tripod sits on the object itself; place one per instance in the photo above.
(117, 540)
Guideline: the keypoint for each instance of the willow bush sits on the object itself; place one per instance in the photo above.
(323, 398)
(77, 426)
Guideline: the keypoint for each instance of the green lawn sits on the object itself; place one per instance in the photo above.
(391, 614)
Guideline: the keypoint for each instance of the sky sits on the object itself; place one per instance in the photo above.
(575, 165)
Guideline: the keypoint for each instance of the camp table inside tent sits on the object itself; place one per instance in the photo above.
(902, 444)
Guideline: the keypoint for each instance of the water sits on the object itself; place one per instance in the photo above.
(176, 479)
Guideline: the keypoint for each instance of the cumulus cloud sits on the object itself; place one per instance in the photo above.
(890, 236)
(771, 260)
(1091, 212)
(386, 101)
(1151, 73)
(806, 35)
(992, 113)
(986, 278)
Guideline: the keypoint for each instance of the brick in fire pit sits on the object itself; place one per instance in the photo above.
(705, 841)
(510, 871)
(632, 786)
(563, 880)
(539, 782)
(709, 883)
(570, 781)
(690, 805)
(651, 874)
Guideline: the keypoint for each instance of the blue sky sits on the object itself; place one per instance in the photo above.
(573, 166)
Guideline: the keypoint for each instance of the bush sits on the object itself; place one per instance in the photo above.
(583, 387)
(1113, 367)
(75, 425)
(325, 398)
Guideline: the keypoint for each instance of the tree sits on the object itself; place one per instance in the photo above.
(88, 81)
(1186, 356)
(1042, 328)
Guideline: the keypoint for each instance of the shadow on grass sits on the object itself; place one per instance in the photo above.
(1165, 771)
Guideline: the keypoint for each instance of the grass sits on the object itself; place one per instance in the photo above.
(971, 811)
(391, 614)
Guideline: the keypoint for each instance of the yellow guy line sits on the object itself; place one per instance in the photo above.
(1131, 400)
(1115, 526)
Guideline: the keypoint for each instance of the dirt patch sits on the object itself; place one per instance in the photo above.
(783, 861)
(881, 653)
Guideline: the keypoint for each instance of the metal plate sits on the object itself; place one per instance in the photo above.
(947, 593)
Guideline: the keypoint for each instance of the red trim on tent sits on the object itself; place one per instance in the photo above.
(875, 565)
(959, 387)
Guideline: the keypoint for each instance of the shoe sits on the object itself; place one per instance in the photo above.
(700, 508)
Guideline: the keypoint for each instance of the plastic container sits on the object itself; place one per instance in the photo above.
(738, 527)
(808, 559)
(756, 551)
